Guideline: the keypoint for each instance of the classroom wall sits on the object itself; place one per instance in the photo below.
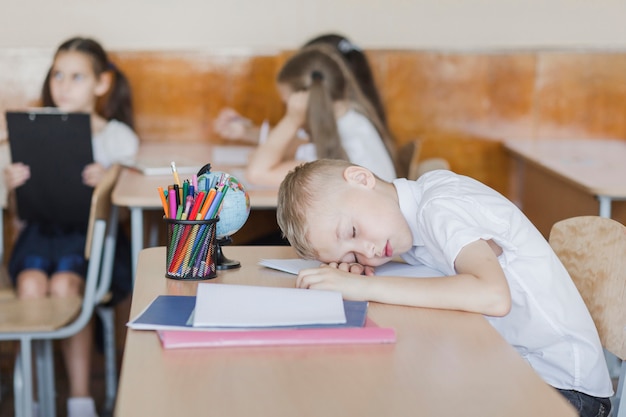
(422, 24)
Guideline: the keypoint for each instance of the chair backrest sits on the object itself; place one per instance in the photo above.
(101, 204)
(593, 250)
(430, 164)
(407, 159)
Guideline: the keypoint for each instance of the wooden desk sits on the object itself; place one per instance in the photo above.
(569, 175)
(138, 192)
(445, 363)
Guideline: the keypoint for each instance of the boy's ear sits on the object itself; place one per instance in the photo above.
(104, 83)
(359, 176)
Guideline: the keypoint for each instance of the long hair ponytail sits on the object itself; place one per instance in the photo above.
(321, 120)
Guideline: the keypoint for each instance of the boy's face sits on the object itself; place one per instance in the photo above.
(359, 222)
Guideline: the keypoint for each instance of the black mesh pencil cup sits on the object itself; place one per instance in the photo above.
(190, 249)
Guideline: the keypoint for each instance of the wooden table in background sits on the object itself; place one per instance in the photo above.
(445, 363)
(560, 178)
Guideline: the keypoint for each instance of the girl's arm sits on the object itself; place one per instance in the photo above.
(480, 285)
(231, 125)
(272, 160)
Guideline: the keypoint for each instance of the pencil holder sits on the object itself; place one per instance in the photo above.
(190, 249)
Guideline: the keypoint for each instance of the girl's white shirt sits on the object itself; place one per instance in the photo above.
(362, 144)
(117, 142)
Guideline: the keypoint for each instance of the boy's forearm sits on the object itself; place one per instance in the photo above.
(457, 292)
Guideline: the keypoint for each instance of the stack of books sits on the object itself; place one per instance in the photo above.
(222, 315)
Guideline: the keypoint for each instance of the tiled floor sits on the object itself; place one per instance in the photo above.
(7, 357)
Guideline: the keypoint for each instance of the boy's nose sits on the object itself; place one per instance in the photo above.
(369, 249)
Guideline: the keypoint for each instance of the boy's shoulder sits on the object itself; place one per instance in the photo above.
(448, 185)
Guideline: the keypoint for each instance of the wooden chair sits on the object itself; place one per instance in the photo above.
(429, 164)
(410, 166)
(593, 250)
(36, 323)
(407, 159)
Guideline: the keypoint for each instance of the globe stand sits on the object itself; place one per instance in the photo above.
(222, 262)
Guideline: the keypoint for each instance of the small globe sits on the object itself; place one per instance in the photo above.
(235, 207)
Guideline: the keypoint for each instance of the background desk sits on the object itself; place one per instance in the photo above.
(445, 363)
(138, 192)
(556, 179)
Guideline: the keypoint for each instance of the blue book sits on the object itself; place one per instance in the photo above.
(175, 312)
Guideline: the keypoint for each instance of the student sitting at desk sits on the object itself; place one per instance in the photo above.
(323, 99)
(47, 259)
(231, 125)
(495, 261)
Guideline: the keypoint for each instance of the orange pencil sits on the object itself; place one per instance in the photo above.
(163, 201)
(207, 203)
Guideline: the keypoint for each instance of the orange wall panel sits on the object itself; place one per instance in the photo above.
(460, 104)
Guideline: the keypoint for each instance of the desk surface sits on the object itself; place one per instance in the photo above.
(134, 189)
(444, 363)
(596, 166)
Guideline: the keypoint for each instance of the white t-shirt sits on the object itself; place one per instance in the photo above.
(549, 324)
(362, 144)
(115, 143)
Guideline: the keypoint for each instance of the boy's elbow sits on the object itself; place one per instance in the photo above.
(501, 304)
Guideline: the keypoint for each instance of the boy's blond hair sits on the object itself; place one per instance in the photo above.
(304, 187)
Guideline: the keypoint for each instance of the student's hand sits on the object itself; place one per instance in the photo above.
(231, 125)
(354, 268)
(351, 285)
(93, 174)
(15, 175)
(297, 105)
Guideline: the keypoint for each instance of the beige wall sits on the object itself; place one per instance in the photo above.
(257, 24)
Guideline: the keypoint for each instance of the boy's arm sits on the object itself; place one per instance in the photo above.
(480, 285)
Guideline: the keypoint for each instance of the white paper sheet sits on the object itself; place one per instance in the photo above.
(225, 305)
(231, 155)
(393, 268)
(162, 165)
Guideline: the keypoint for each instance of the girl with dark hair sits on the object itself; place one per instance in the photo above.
(325, 101)
(47, 259)
(231, 125)
(358, 63)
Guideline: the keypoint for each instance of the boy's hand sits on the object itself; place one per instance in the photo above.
(93, 174)
(351, 285)
(15, 175)
(353, 268)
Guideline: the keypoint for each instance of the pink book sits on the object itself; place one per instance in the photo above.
(371, 333)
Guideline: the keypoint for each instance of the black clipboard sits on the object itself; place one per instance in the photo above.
(57, 147)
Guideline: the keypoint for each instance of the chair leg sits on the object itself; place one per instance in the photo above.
(107, 316)
(18, 386)
(44, 357)
(620, 411)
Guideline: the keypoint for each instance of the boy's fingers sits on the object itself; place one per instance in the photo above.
(369, 271)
